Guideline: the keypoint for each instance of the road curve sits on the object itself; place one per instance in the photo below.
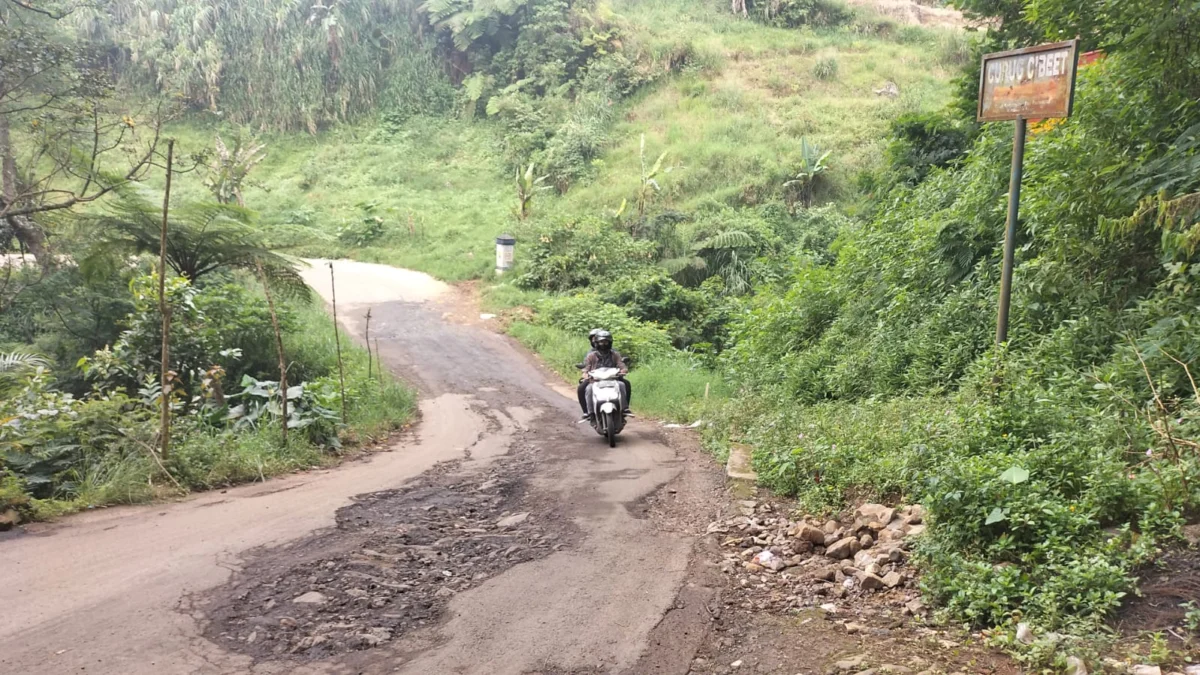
(129, 590)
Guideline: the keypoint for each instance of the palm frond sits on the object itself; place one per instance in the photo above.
(18, 361)
(726, 240)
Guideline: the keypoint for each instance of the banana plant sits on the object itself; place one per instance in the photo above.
(812, 168)
(527, 187)
(649, 184)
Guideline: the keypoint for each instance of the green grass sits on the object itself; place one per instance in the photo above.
(733, 129)
(436, 185)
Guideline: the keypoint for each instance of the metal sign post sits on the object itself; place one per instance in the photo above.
(1019, 85)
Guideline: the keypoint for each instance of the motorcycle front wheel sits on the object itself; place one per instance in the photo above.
(612, 429)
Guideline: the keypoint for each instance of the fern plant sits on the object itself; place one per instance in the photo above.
(202, 237)
(726, 255)
(15, 364)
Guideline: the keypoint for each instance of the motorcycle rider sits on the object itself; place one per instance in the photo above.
(603, 356)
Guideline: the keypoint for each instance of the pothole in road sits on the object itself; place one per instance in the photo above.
(391, 565)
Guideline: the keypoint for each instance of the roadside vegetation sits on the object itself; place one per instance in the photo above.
(789, 219)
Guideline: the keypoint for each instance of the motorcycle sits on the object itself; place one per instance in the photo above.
(606, 400)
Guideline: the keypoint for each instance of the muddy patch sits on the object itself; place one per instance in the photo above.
(390, 566)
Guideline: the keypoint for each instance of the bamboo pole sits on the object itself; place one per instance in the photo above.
(283, 383)
(165, 310)
(367, 337)
(337, 338)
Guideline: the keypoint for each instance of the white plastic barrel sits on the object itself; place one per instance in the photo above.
(505, 248)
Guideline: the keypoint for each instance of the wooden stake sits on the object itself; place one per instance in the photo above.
(337, 338)
(283, 383)
(165, 310)
(368, 340)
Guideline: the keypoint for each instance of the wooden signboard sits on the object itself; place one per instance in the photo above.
(1031, 83)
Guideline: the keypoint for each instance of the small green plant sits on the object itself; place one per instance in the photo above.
(369, 229)
(527, 187)
(229, 167)
(811, 171)
(826, 69)
(1191, 617)
(311, 408)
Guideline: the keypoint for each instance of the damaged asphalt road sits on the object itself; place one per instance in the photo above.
(501, 538)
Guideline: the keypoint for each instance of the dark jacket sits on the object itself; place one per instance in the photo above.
(597, 359)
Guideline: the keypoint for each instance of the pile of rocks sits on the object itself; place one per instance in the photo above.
(865, 552)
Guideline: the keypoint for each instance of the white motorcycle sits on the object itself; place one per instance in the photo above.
(607, 402)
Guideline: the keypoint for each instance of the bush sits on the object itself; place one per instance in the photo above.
(691, 317)
(797, 13)
(826, 69)
(922, 142)
(579, 253)
(637, 341)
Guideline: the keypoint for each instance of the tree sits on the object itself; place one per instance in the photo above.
(202, 237)
(61, 130)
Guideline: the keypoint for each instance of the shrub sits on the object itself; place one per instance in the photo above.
(579, 253)
(579, 314)
(922, 142)
(826, 69)
(796, 13)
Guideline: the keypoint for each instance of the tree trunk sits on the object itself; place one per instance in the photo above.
(283, 383)
(164, 307)
(25, 230)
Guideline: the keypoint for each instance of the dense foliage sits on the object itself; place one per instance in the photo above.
(1042, 461)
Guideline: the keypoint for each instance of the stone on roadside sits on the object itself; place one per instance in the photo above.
(893, 579)
(916, 514)
(831, 526)
(825, 574)
(806, 532)
(310, 598)
(1024, 634)
(513, 520)
(916, 531)
(915, 607)
(866, 541)
(875, 569)
(1147, 670)
(877, 512)
(870, 582)
(843, 548)
(863, 558)
(1076, 666)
